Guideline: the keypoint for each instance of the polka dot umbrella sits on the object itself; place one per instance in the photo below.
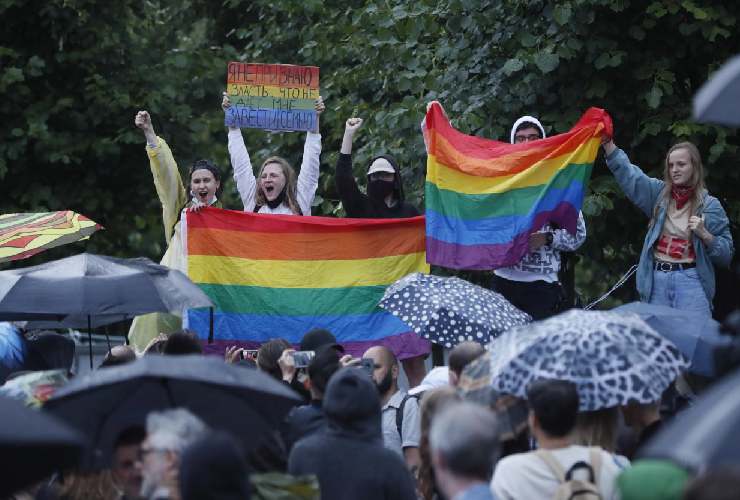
(448, 311)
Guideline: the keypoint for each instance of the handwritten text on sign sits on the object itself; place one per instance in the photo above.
(272, 96)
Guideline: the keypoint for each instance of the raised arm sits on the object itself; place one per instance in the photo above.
(246, 184)
(166, 175)
(308, 177)
(641, 189)
(346, 185)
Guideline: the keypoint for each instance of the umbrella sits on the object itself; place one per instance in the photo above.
(90, 285)
(24, 235)
(68, 293)
(611, 358)
(33, 445)
(695, 336)
(246, 403)
(450, 310)
(704, 435)
(718, 100)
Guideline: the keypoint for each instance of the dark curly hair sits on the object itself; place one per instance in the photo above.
(211, 167)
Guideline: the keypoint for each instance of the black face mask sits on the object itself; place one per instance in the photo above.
(378, 190)
(277, 201)
(384, 385)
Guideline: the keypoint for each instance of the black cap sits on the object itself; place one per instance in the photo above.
(323, 366)
(319, 337)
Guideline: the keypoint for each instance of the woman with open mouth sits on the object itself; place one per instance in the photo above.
(688, 234)
(204, 190)
(277, 189)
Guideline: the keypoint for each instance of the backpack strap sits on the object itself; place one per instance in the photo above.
(399, 413)
(552, 463)
(595, 455)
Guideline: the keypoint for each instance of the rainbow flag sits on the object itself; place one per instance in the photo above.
(279, 276)
(484, 198)
(272, 96)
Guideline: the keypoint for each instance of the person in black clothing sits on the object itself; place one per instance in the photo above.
(309, 419)
(349, 458)
(384, 198)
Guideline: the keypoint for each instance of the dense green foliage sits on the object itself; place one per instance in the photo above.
(74, 72)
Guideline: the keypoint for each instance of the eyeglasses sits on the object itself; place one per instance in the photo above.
(520, 138)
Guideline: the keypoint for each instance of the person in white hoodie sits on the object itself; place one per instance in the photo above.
(532, 284)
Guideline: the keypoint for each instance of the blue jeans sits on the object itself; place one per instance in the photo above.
(680, 290)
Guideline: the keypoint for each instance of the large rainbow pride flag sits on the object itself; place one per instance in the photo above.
(484, 198)
(279, 276)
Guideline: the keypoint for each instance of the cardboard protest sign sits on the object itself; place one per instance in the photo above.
(272, 96)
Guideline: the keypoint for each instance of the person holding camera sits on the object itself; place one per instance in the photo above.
(308, 419)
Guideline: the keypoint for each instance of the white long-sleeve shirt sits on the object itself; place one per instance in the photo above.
(246, 183)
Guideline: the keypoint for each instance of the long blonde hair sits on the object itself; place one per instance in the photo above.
(290, 187)
(697, 178)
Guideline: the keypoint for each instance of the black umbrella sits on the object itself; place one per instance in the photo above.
(33, 445)
(705, 435)
(448, 311)
(246, 403)
(86, 290)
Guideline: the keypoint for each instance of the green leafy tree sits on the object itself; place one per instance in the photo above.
(71, 94)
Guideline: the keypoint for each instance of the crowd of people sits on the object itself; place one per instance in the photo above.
(360, 433)
(357, 435)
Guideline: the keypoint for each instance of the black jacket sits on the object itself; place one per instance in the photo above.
(348, 457)
(359, 205)
(303, 421)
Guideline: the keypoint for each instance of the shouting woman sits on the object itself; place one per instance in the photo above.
(277, 189)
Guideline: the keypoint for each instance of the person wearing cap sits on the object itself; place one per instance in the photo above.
(313, 340)
(384, 198)
(532, 284)
(308, 419)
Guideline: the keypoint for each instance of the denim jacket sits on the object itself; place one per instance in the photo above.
(645, 192)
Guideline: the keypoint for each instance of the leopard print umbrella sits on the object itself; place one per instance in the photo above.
(612, 358)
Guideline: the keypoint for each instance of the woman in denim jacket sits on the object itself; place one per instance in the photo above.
(688, 233)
